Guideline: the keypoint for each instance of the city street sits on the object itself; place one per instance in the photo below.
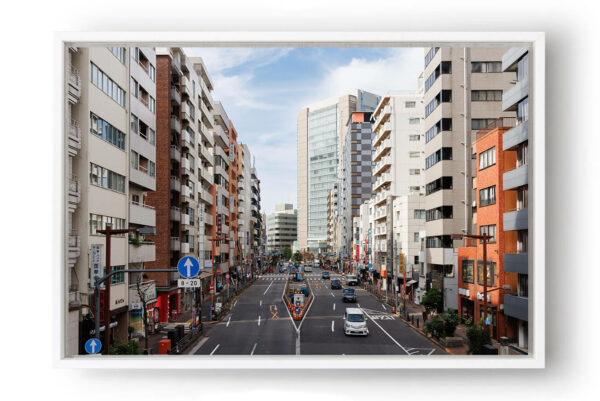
(259, 324)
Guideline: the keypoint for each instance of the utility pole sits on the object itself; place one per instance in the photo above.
(108, 232)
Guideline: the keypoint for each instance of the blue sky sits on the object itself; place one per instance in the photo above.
(262, 90)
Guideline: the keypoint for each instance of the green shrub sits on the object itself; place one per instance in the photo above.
(451, 321)
(129, 348)
(435, 326)
(478, 336)
(469, 322)
(432, 300)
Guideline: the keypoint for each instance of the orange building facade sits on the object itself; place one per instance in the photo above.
(491, 203)
(234, 254)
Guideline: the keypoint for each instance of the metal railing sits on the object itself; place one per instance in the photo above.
(502, 122)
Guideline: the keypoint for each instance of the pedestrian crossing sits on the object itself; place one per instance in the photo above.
(283, 276)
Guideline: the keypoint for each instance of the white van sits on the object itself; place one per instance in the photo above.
(351, 279)
(355, 322)
(308, 268)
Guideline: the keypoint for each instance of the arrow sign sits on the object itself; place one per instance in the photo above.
(188, 267)
(93, 346)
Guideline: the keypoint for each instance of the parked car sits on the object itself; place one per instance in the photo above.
(325, 275)
(336, 284)
(355, 322)
(349, 295)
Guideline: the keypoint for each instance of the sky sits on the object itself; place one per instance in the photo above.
(262, 90)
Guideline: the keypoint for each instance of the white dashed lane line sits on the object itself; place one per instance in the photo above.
(213, 351)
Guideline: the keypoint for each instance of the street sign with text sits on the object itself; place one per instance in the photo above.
(188, 283)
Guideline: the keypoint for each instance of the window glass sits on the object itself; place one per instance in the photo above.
(468, 270)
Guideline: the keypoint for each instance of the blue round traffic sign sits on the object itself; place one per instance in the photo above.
(297, 310)
(93, 346)
(188, 267)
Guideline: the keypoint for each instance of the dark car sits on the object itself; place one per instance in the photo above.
(349, 295)
(325, 275)
(336, 284)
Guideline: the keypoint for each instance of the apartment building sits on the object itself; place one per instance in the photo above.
(221, 207)
(282, 227)
(516, 187)
(365, 233)
(463, 94)
(257, 220)
(244, 160)
(356, 179)
(321, 133)
(110, 170)
(398, 157)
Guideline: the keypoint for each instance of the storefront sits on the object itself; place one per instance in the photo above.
(168, 305)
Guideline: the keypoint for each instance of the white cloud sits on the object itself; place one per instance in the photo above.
(218, 59)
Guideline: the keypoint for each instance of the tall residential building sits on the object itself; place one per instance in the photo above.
(398, 157)
(516, 187)
(110, 168)
(180, 197)
(356, 179)
(463, 93)
(257, 220)
(282, 227)
(321, 132)
(244, 160)
(221, 208)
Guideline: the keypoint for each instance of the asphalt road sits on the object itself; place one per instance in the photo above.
(259, 324)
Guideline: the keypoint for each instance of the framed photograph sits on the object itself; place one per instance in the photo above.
(300, 200)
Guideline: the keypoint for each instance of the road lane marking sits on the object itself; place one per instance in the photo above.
(334, 306)
(273, 310)
(358, 305)
(260, 304)
(388, 334)
(235, 303)
(259, 320)
(384, 308)
(432, 351)
(197, 347)
(298, 344)
(332, 322)
(213, 351)
(253, 348)
(264, 293)
(228, 321)
(332, 295)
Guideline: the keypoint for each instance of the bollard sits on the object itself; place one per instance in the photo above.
(417, 323)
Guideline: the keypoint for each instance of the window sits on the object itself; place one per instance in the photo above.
(152, 104)
(491, 273)
(416, 237)
(445, 67)
(439, 241)
(486, 96)
(439, 184)
(414, 154)
(414, 171)
(105, 178)
(523, 68)
(481, 123)
(99, 222)
(445, 124)
(119, 53)
(134, 88)
(117, 278)
(107, 132)
(419, 213)
(468, 267)
(437, 156)
(487, 158)
(430, 54)
(152, 72)
(441, 212)
(106, 85)
(487, 196)
(523, 111)
(413, 121)
(409, 105)
(414, 137)
(486, 66)
(414, 188)
(445, 96)
(488, 230)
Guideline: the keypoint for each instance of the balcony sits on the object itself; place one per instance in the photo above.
(516, 263)
(380, 212)
(175, 184)
(515, 136)
(175, 64)
(187, 139)
(382, 165)
(382, 149)
(208, 219)
(185, 86)
(175, 244)
(141, 177)
(384, 132)
(516, 307)
(384, 179)
(515, 178)
(145, 252)
(186, 116)
(186, 166)
(185, 247)
(175, 153)
(381, 196)
(207, 174)
(516, 220)
(511, 57)
(74, 80)
(206, 154)
(205, 111)
(74, 193)
(73, 244)
(512, 96)
(74, 138)
(185, 219)
(206, 196)
(175, 214)
(175, 95)
(74, 300)
(220, 134)
(144, 215)
(175, 124)
(187, 193)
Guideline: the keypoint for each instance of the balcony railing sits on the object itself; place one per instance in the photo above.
(175, 184)
(175, 95)
(175, 153)
(175, 244)
(175, 124)
(502, 122)
(74, 85)
(175, 213)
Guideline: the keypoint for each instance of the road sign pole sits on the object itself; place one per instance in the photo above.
(107, 295)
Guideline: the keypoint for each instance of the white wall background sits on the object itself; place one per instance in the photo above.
(572, 197)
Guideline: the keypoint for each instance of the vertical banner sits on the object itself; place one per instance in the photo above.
(96, 264)
(357, 252)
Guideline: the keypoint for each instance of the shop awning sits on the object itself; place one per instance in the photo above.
(411, 282)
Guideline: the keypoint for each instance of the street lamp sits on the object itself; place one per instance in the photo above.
(484, 238)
